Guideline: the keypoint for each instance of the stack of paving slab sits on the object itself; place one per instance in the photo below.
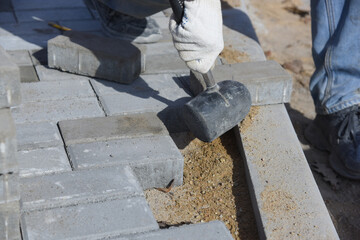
(9, 172)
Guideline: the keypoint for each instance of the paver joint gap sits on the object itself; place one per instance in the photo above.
(98, 99)
(66, 151)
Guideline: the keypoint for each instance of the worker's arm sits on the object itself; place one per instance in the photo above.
(199, 37)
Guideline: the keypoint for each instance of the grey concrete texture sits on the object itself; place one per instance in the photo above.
(155, 160)
(44, 4)
(287, 205)
(54, 111)
(95, 56)
(111, 128)
(43, 161)
(90, 221)
(29, 42)
(9, 81)
(10, 221)
(7, 17)
(267, 81)
(37, 135)
(8, 162)
(25, 64)
(25, 29)
(56, 90)
(55, 14)
(9, 187)
(48, 74)
(78, 187)
(214, 230)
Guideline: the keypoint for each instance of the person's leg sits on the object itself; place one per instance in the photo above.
(128, 19)
(335, 85)
(137, 8)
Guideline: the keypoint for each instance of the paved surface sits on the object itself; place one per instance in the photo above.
(87, 147)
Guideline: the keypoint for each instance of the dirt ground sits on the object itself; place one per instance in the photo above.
(214, 182)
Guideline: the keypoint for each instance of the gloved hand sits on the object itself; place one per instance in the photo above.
(199, 37)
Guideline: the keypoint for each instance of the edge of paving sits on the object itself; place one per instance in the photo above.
(286, 200)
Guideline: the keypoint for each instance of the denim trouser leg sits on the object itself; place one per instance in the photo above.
(335, 85)
(138, 8)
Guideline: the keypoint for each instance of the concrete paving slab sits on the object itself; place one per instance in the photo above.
(157, 82)
(9, 81)
(20, 57)
(29, 28)
(111, 128)
(90, 221)
(286, 199)
(9, 221)
(49, 74)
(214, 230)
(37, 135)
(79, 187)
(9, 187)
(88, 25)
(54, 111)
(155, 160)
(171, 63)
(29, 42)
(91, 55)
(53, 14)
(56, 90)
(43, 4)
(23, 60)
(267, 81)
(7, 17)
(43, 161)
(161, 48)
(8, 162)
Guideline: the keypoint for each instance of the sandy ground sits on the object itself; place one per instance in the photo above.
(214, 182)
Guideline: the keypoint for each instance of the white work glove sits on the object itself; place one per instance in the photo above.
(199, 37)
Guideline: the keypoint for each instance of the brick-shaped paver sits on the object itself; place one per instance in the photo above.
(165, 64)
(8, 162)
(214, 230)
(43, 161)
(35, 41)
(26, 67)
(111, 128)
(267, 81)
(78, 187)
(9, 81)
(49, 74)
(55, 111)
(53, 14)
(155, 82)
(25, 29)
(90, 221)
(9, 221)
(287, 201)
(37, 135)
(56, 90)
(43, 4)
(92, 55)
(9, 187)
(155, 159)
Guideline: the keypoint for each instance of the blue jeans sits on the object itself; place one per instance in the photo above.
(335, 84)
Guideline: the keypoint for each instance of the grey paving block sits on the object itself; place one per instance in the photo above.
(154, 159)
(89, 221)
(43, 161)
(91, 55)
(56, 90)
(29, 42)
(214, 230)
(7, 17)
(156, 82)
(48, 74)
(43, 4)
(29, 28)
(88, 25)
(161, 48)
(54, 111)
(9, 81)
(10, 221)
(167, 63)
(267, 81)
(39, 57)
(9, 187)
(286, 199)
(8, 161)
(110, 128)
(53, 14)
(37, 135)
(23, 60)
(78, 187)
